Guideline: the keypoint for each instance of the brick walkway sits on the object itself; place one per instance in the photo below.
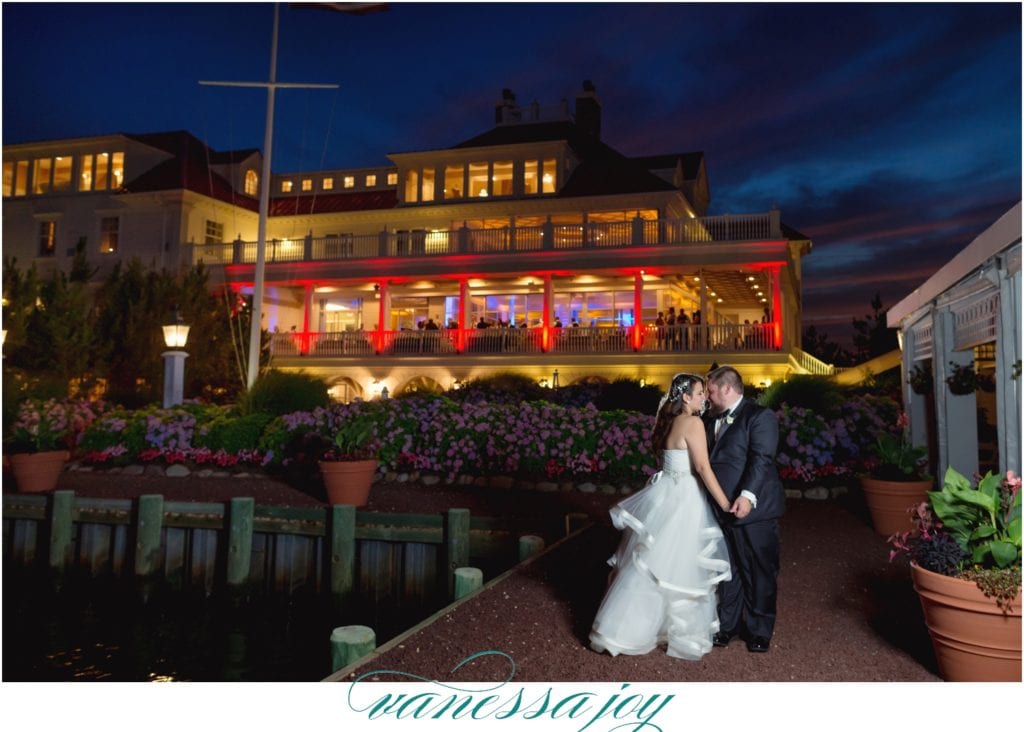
(845, 614)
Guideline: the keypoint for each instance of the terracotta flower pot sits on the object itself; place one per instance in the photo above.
(890, 502)
(37, 472)
(973, 639)
(348, 482)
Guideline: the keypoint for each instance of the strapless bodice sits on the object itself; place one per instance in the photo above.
(676, 461)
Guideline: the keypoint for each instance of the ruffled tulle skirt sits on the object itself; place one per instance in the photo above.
(666, 569)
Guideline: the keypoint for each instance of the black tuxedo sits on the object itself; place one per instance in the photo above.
(743, 458)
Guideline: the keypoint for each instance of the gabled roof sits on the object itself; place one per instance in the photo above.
(188, 169)
(602, 170)
(691, 162)
(792, 234)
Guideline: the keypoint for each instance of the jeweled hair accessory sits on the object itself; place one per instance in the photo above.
(680, 385)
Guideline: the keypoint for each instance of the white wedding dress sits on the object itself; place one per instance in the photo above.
(666, 569)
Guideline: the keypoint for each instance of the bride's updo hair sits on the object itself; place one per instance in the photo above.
(671, 407)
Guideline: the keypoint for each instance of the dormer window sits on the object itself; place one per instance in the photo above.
(252, 183)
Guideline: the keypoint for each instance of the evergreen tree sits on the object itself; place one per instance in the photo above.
(872, 336)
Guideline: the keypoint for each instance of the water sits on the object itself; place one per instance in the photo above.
(101, 629)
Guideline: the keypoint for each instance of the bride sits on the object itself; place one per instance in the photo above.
(672, 554)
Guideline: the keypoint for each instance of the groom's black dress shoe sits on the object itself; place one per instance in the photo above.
(758, 644)
(721, 638)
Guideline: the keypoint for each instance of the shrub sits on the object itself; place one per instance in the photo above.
(232, 433)
(628, 394)
(817, 393)
(503, 388)
(283, 392)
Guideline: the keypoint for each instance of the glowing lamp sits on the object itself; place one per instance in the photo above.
(175, 335)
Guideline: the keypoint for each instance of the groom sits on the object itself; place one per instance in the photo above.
(742, 439)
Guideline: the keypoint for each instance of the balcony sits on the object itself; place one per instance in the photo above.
(508, 240)
(758, 338)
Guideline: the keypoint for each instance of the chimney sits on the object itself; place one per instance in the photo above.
(508, 101)
(588, 111)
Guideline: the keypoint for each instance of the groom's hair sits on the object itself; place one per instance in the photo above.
(726, 376)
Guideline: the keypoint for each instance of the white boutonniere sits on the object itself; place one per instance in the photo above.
(729, 419)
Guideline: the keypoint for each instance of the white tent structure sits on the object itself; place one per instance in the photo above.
(968, 313)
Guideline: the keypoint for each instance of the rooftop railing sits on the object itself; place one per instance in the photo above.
(508, 240)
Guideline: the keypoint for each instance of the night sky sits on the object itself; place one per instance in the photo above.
(891, 135)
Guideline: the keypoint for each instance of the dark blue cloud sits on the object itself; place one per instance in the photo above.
(888, 133)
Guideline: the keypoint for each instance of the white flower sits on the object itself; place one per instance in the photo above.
(729, 419)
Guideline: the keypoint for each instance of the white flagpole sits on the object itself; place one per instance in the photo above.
(256, 328)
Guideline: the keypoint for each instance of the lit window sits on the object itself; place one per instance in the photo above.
(371, 181)
(501, 178)
(392, 179)
(412, 186)
(8, 179)
(109, 228)
(548, 177)
(117, 170)
(102, 169)
(428, 184)
(252, 183)
(478, 180)
(328, 184)
(41, 175)
(286, 186)
(62, 173)
(453, 181)
(21, 178)
(530, 177)
(47, 238)
(307, 184)
(349, 181)
(214, 232)
(85, 176)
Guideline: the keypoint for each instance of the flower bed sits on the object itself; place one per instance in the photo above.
(433, 435)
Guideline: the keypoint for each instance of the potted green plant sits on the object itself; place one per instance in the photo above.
(898, 479)
(38, 444)
(350, 462)
(965, 556)
(920, 379)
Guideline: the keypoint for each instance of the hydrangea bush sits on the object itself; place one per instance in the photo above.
(536, 440)
(52, 424)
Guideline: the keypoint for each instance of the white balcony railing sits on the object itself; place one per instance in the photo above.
(728, 338)
(507, 240)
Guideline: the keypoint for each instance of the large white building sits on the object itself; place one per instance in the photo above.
(566, 248)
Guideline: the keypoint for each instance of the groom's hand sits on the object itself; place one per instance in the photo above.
(740, 507)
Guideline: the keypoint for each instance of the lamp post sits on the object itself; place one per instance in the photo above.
(175, 336)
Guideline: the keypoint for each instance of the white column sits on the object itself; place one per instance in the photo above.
(1008, 391)
(174, 377)
(956, 416)
(915, 404)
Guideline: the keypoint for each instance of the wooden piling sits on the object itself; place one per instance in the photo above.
(342, 537)
(530, 545)
(61, 529)
(457, 534)
(240, 529)
(575, 521)
(467, 580)
(349, 643)
(149, 522)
